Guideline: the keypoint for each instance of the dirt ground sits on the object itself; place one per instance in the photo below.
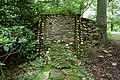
(106, 66)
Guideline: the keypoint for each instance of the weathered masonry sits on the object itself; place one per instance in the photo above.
(69, 28)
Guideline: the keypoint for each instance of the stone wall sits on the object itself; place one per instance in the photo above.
(89, 32)
(59, 28)
(69, 28)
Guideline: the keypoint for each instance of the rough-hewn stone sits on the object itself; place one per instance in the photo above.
(59, 28)
(68, 28)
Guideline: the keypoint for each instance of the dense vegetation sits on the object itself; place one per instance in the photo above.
(17, 39)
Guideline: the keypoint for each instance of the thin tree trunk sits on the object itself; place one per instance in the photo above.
(112, 25)
(102, 19)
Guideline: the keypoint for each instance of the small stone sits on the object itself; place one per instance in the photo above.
(57, 74)
(66, 45)
(114, 64)
(58, 41)
(84, 79)
(71, 43)
(79, 63)
(49, 49)
(41, 37)
(47, 52)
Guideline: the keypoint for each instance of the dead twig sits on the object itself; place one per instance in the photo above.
(4, 55)
(11, 52)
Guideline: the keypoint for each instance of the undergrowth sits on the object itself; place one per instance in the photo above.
(58, 63)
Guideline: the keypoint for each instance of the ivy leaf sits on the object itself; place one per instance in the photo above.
(4, 39)
(6, 48)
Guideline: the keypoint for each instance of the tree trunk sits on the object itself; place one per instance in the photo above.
(112, 25)
(102, 19)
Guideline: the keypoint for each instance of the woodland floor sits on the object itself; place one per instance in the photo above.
(106, 66)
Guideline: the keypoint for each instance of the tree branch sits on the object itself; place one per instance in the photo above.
(11, 52)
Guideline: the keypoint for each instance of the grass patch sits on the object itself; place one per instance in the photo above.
(114, 35)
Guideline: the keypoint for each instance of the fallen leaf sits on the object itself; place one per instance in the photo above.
(105, 51)
(100, 56)
(109, 55)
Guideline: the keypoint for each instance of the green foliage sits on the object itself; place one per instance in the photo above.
(63, 6)
(47, 44)
(38, 62)
(113, 14)
(62, 64)
(43, 76)
(15, 33)
(28, 42)
(113, 35)
(16, 19)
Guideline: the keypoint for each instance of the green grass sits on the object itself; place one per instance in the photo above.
(114, 35)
